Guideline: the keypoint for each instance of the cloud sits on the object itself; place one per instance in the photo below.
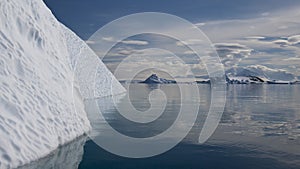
(135, 42)
(189, 52)
(90, 42)
(121, 52)
(277, 74)
(255, 37)
(189, 42)
(270, 39)
(232, 53)
(294, 40)
(288, 41)
(277, 24)
(199, 24)
(95, 42)
(125, 51)
(109, 39)
(274, 38)
(231, 46)
(263, 72)
(281, 42)
(265, 14)
(155, 59)
(293, 59)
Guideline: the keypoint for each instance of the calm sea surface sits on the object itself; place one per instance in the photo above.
(260, 128)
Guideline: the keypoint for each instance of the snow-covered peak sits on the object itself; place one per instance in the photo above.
(266, 73)
(244, 80)
(155, 79)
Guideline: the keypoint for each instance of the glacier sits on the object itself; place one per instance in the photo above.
(42, 89)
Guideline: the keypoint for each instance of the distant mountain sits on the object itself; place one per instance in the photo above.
(282, 82)
(244, 80)
(266, 73)
(241, 71)
(207, 81)
(154, 79)
(249, 79)
(254, 74)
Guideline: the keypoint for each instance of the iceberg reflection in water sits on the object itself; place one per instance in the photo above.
(65, 157)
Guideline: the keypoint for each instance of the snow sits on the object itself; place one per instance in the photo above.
(88, 68)
(244, 80)
(294, 40)
(264, 72)
(41, 106)
(281, 82)
(154, 79)
(272, 74)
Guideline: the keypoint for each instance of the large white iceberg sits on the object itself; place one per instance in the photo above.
(41, 106)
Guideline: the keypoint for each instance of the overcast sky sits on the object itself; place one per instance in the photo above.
(254, 33)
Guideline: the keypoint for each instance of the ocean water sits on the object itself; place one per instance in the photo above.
(260, 128)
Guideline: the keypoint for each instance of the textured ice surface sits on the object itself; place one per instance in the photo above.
(94, 79)
(40, 108)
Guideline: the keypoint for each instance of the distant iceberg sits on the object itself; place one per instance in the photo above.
(281, 82)
(263, 72)
(249, 80)
(244, 80)
(154, 79)
(259, 74)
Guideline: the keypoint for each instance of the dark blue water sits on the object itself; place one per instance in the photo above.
(260, 128)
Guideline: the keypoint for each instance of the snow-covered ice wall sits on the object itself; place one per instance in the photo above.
(40, 108)
(93, 77)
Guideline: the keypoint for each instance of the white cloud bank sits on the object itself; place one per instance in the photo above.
(232, 53)
(272, 38)
(135, 42)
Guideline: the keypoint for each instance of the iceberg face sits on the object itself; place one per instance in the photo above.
(41, 106)
(93, 77)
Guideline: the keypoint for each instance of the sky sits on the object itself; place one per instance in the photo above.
(262, 35)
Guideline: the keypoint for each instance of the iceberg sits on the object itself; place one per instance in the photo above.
(244, 80)
(41, 102)
(154, 79)
(93, 77)
(281, 82)
(263, 72)
(259, 74)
